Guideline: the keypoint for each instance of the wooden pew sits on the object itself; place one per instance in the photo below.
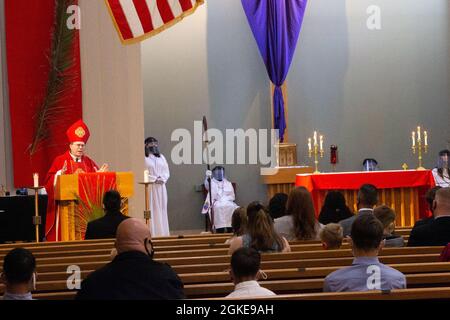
(305, 285)
(396, 294)
(212, 256)
(225, 265)
(277, 286)
(273, 274)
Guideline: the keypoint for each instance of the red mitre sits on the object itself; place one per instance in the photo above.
(78, 132)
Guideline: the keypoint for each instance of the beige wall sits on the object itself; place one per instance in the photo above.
(112, 96)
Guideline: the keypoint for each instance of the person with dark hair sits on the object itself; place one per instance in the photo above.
(441, 172)
(19, 274)
(260, 234)
(429, 197)
(245, 268)
(158, 169)
(436, 232)
(238, 223)
(300, 222)
(366, 272)
(223, 197)
(334, 208)
(387, 218)
(366, 200)
(133, 274)
(105, 227)
(277, 205)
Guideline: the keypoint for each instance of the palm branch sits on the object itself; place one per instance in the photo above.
(60, 82)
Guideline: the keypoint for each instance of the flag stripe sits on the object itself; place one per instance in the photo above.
(132, 17)
(120, 18)
(175, 7)
(144, 15)
(186, 4)
(157, 20)
(139, 19)
(164, 10)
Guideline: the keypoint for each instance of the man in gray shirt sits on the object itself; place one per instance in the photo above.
(366, 201)
(366, 272)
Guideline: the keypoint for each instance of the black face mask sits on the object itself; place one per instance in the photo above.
(149, 253)
(152, 150)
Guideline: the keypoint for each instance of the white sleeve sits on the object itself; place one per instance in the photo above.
(165, 173)
(58, 173)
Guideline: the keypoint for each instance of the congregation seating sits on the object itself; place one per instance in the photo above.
(203, 268)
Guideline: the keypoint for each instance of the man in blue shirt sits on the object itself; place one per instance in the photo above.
(366, 272)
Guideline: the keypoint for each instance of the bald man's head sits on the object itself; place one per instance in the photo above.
(442, 200)
(133, 235)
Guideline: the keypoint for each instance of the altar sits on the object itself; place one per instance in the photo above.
(402, 190)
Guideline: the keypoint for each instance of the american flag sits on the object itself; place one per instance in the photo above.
(136, 20)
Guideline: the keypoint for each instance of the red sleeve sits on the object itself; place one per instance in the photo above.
(91, 164)
(57, 165)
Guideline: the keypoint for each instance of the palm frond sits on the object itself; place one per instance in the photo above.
(60, 82)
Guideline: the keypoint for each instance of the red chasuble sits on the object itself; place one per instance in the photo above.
(86, 165)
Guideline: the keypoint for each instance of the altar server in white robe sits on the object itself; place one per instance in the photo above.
(222, 198)
(159, 174)
(441, 173)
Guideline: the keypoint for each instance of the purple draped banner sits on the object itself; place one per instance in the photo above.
(276, 26)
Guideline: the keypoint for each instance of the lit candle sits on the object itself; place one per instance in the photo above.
(413, 139)
(315, 138)
(36, 180)
(426, 138)
(321, 143)
(309, 144)
(146, 176)
(418, 133)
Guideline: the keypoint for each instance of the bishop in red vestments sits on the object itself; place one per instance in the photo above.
(71, 162)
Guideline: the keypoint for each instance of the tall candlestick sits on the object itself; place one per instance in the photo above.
(36, 180)
(309, 144)
(413, 139)
(418, 133)
(315, 138)
(321, 143)
(425, 135)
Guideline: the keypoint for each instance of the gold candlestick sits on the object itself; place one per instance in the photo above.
(316, 148)
(416, 137)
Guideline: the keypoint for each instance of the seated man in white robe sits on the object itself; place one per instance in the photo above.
(222, 198)
(441, 173)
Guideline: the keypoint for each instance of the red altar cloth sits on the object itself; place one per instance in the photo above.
(422, 180)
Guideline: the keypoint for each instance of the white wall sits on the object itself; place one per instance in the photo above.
(366, 90)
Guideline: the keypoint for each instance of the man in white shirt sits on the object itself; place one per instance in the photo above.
(441, 173)
(245, 267)
(222, 198)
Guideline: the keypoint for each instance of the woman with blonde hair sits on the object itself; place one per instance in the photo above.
(260, 234)
(300, 221)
